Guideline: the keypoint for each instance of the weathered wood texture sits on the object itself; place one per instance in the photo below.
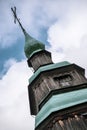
(57, 79)
(71, 123)
(42, 58)
(66, 118)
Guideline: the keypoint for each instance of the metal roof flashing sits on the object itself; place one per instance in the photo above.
(59, 102)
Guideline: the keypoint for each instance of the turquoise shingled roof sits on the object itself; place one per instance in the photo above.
(48, 67)
(59, 102)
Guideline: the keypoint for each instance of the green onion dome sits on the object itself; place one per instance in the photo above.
(32, 45)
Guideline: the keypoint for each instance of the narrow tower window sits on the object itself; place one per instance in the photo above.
(64, 80)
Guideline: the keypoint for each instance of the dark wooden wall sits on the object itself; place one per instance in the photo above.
(71, 123)
(42, 58)
(49, 81)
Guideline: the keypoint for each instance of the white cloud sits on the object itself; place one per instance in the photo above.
(7, 27)
(70, 30)
(9, 63)
(68, 35)
(14, 104)
(35, 14)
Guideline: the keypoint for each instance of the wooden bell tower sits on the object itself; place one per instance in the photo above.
(57, 91)
(58, 96)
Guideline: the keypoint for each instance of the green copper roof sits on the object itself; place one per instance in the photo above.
(59, 102)
(32, 45)
(48, 67)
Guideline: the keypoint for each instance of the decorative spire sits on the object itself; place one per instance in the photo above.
(31, 45)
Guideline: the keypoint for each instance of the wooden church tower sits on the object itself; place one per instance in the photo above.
(57, 91)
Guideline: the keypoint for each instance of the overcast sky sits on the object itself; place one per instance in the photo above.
(61, 25)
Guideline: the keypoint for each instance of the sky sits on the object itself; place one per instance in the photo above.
(61, 25)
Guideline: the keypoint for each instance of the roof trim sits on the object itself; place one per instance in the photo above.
(59, 102)
(48, 67)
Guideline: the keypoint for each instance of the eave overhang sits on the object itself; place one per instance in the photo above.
(60, 102)
(47, 68)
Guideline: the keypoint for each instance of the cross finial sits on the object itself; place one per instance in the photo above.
(15, 15)
(16, 18)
